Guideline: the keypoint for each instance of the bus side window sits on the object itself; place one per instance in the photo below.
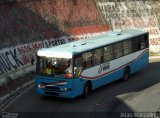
(127, 47)
(136, 44)
(144, 42)
(118, 50)
(97, 56)
(108, 53)
(87, 59)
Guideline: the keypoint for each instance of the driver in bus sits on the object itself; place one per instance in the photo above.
(50, 67)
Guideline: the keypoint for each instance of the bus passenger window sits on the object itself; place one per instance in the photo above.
(118, 50)
(127, 47)
(108, 53)
(97, 55)
(87, 60)
(135, 44)
(142, 42)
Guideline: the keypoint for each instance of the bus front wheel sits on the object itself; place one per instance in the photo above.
(126, 74)
(86, 90)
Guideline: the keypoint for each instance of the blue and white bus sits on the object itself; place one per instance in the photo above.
(75, 68)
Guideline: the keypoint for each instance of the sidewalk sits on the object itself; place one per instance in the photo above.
(154, 57)
(146, 100)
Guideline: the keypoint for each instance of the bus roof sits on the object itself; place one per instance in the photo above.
(76, 47)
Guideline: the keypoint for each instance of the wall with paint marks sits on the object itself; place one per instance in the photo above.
(126, 14)
(29, 25)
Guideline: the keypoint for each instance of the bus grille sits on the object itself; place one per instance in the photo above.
(53, 88)
(51, 93)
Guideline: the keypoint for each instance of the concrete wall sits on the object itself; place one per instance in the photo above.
(27, 25)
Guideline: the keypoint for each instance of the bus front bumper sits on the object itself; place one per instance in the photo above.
(63, 94)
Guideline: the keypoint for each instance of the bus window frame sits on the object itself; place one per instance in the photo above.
(113, 52)
(101, 56)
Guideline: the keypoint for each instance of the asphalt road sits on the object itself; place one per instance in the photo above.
(139, 94)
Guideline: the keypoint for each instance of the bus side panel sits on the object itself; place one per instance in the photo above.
(78, 86)
(136, 61)
(108, 78)
(140, 63)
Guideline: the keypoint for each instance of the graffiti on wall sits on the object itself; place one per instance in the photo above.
(134, 14)
(21, 55)
(9, 60)
(18, 57)
(26, 24)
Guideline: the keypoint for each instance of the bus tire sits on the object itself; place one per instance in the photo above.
(86, 90)
(126, 74)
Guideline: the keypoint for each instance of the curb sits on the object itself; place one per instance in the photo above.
(4, 100)
(154, 57)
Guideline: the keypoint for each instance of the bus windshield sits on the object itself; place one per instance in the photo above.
(54, 66)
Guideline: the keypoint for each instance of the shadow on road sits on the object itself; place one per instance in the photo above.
(138, 83)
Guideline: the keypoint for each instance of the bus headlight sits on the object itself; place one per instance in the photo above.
(40, 86)
(64, 89)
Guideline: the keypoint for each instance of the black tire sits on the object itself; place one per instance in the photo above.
(126, 74)
(86, 90)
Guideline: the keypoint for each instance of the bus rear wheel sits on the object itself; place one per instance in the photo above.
(126, 74)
